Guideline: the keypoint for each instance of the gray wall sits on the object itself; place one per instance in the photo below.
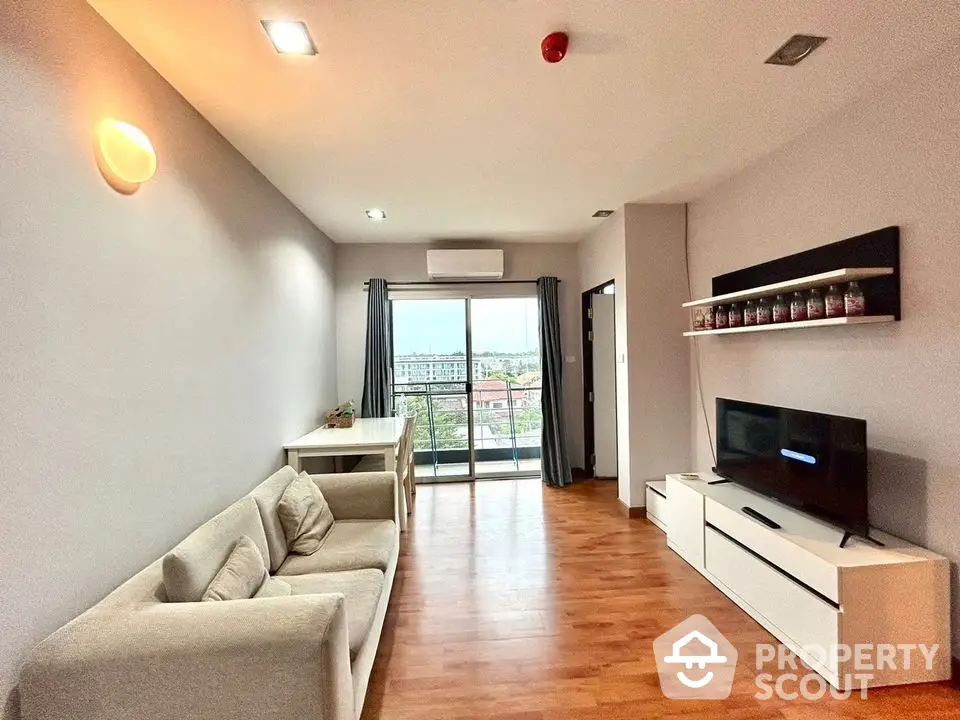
(641, 248)
(890, 159)
(408, 263)
(155, 350)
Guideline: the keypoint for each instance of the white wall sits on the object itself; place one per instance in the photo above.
(155, 350)
(408, 263)
(658, 354)
(641, 248)
(602, 257)
(890, 159)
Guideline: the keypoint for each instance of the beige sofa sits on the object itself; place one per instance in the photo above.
(137, 654)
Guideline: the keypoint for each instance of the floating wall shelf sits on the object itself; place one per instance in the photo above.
(871, 259)
(832, 277)
(863, 320)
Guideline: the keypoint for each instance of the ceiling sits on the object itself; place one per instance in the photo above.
(444, 114)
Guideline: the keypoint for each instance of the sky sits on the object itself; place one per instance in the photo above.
(439, 326)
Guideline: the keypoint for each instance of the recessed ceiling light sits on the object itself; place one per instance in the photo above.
(289, 37)
(797, 48)
(603, 213)
(376, 215)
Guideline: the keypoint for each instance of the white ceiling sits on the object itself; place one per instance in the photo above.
(443, 113)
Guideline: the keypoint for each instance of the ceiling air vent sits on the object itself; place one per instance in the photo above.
(797, 48)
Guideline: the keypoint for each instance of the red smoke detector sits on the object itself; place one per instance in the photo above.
(554, 47)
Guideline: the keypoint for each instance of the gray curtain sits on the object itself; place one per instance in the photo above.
(553, 451)
(376, 371)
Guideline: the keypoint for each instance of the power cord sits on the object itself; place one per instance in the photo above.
(696, 340)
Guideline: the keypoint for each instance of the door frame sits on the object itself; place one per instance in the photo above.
(586, 327)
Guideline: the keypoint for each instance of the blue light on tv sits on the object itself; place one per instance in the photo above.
(802, 457)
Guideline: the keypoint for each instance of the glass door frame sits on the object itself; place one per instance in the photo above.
(467, 294)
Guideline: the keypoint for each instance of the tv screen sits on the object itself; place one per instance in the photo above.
(814, 462)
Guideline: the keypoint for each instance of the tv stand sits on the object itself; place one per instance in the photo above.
(804, 589)
(847, 535)
(747, 510)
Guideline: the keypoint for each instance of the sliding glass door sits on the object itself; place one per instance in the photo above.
(431, 377)
(505, 401)
(468, 369)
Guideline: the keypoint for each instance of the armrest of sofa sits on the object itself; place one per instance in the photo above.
(360, 496)
(286, 657)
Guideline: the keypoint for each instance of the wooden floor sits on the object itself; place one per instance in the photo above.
(519, 602)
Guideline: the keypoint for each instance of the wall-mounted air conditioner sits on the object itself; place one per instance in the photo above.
(465, 264)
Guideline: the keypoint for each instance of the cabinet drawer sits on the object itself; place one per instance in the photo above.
(777, 547)
(685, 522)
(656, 508)
(798, 614)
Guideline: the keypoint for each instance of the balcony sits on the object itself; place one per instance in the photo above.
(507, 423)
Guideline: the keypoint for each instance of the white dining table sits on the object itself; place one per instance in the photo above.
(368, 436)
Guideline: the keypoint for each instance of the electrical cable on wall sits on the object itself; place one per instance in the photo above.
(696, 340)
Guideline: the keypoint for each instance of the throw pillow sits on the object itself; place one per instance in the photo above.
(273, 587)
(241, 575)
(305, 516)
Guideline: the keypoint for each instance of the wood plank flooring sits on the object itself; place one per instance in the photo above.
(519, 602)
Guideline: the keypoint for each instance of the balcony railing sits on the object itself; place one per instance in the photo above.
(507, 420)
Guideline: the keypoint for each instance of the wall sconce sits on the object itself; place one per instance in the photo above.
(125, 155)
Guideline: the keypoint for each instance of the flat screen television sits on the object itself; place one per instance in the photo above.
(811, 461)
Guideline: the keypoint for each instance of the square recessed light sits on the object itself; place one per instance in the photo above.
(376, 215)
(603, 213)
(289, 37)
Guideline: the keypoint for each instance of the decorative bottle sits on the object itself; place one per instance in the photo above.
(816, 310)
(722, 318)
(734, 316)
(698, 319)
(798, 308)
(853, 301)
(781, 310)
(764, 312)
(709, 319)
(750, 313)
(834, 302)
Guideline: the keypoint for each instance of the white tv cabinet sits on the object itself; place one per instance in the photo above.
(806, 590)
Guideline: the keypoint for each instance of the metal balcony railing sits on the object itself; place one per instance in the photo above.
(507, 420)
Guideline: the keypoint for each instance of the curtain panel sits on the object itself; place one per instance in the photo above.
(376, 371)
(554, 460)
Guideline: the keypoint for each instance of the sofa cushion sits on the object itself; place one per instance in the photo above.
(305, 516)
(190, 567)
(273, 587)
(361, 590)
(267, 495)
(241, 575)
(350, 545)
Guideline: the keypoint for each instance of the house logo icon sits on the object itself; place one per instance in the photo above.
(695, 661)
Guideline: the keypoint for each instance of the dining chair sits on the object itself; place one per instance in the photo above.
(406, 468)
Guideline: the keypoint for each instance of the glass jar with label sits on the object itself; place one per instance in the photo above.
(734, 316)
(816, 310)
(722, 318)
(834, 302)
(709, 319)
(764, 312)
(698, 319)
(798, 308)
(853, 301)
(750, 313)
(781, 310)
